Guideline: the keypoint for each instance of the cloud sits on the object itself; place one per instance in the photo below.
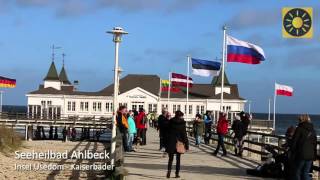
(65, 8)
(254, 18)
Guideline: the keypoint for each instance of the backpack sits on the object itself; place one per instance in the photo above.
(144, 120)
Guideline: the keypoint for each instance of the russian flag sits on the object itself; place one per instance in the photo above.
(243, 52)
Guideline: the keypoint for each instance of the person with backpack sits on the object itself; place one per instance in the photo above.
(222, 130)
(303, 149)
(141, 123)
(238, 131)
(199, 127)
(208, 127)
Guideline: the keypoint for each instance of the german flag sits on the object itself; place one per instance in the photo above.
(7, 82)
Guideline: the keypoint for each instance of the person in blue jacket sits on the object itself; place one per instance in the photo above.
(208, 127)
(132, 130)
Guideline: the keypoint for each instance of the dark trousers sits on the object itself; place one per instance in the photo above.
(302, 170)
(221, 144)
(142, 134)
(207, 135)
(124, 135)
(178, 156)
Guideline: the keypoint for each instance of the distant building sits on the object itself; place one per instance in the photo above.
(57, 97)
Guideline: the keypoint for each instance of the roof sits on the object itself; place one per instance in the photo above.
(52, 73)
(217, 80)
(63, 76)
(150, 83)
(206, 91)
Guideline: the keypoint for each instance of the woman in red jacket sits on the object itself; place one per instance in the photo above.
(222, 130)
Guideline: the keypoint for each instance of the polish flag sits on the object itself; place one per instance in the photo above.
(180, 80)
(283, 90)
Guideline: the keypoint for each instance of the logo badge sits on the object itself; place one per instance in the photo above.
(297, 22)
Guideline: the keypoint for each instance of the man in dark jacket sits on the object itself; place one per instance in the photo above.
(163, 123)
(177, 132)
(238, 130)
(122, 125)
(199, 127)
(208, 127)
(303, 149)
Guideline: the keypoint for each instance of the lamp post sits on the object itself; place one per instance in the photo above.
(117, 35)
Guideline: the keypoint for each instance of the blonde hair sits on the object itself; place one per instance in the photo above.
(304, 118)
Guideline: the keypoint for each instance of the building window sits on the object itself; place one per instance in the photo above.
(99, 106)
(81, 106)
(190, 109)
(49, 103)
(94, 106)
(108, 107)
(111, 107)
(198, 109)
(155, 108)
(73, 106)
(150, 108)
(69, 105)
(174, 108)
(202, 110)
(179, 107)
(164, 106)
(86, 106)
(185, 109)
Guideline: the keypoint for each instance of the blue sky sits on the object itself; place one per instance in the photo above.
(162, 34)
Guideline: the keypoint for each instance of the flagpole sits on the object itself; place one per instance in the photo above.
(187, 107)
(223, 63)
(1, 92)
(269, 112)
(169, 90)
(274, 108)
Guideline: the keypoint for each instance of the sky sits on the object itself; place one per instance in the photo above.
(161, 35)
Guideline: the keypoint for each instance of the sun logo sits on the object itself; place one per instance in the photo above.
(297, 23)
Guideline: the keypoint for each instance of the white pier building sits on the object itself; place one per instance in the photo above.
(57, 97)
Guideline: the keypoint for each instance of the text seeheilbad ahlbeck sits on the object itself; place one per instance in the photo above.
(87, 154)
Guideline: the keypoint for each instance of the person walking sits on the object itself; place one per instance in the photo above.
(132, 130)
(141, 123)
(208, 127)
(245, 120)
(222, 130)
(122, 124)
(238, 130)
(199, 127)
(163, 123)
(177, 141)
(303, 149)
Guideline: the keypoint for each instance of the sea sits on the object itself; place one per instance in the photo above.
(283, 121)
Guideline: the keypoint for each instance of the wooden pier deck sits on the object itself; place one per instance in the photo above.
(198, 163)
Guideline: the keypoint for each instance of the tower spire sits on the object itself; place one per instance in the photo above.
(53, 48)
(63, 55)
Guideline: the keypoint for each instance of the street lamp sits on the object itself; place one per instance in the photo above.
(117, 35)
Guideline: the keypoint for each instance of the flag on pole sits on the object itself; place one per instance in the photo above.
(205, 67)
(283, 90)
(180, 80)
(243, 52)
(165, 86)
(7, 82)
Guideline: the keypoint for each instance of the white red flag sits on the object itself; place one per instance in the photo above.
(180, 80)
(284, 90)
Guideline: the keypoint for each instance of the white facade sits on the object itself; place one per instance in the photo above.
(101, 106)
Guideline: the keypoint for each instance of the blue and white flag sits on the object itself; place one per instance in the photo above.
(205, 68)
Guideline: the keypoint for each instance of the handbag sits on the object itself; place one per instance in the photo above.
(180, 147)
